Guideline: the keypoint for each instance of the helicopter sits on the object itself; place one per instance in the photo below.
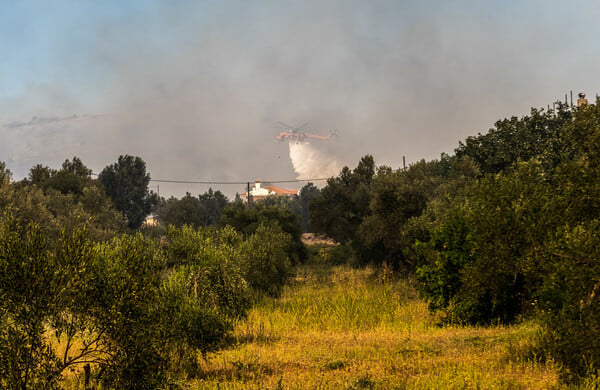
(295, 134)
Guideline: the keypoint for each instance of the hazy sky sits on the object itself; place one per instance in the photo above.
(196, 88)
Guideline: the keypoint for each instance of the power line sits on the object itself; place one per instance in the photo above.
(231, 182)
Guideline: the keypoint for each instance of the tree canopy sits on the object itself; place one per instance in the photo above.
(203, 210)
(126, 183)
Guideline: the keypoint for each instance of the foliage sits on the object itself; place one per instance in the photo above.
(261, 259)
(137, 312)
(344, 202)
(305, 197)
(213, 258)
(28, 205)
(286, 202)
(265, 262)
(127, 311)
(398, 199)
(26, 278)
(443, 259)
(151, 319)
(569, 300)
(5, 174)
(54, 210)
(484, 261)
(56, 204)
(331, 254)
(115, 304)
(248, 218)
(509, 217)
(190, 246)
(298, 204)
(204, 210)
(42, 287)
(523, 239)
(537, 135)
(126, 183)
(72, 178)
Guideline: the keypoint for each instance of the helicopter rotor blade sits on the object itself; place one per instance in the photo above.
(302, 127)
(287, 126)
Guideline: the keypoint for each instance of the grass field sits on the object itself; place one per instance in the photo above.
(344, 328)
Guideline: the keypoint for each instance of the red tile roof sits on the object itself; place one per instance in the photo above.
(280, 191)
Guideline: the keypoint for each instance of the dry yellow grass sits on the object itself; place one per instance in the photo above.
(340, 328)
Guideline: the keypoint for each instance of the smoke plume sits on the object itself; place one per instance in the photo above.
(311, 163)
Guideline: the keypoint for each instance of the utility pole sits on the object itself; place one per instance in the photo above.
(571, 99)
(248, 194)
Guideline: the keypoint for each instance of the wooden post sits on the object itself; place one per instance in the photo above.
(87, 373)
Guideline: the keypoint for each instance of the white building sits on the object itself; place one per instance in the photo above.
(259, 192)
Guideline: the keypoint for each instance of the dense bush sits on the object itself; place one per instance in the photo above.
(248, 218)
(261, 259)
(342, 204)
(265, 260)
(137, 312)
(127, 310)
(398, 199)
(26, 275)
(569, 300)
(526, 242)
(203, 210)
(442, 259)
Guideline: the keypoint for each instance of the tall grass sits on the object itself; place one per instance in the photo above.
(343, 328)
(343, 299)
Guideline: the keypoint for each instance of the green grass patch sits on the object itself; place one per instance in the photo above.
(336, 327)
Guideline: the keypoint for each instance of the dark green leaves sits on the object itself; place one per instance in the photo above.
(126, 183)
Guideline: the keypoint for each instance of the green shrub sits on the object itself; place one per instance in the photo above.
(570, 301)
(442, 260)
(197, 317)
(28, 301)
(128, 312)
(265, 260)
(246, 219)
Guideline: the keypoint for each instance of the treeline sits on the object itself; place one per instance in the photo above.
(206, 209)
(505, 229)
(84, 286)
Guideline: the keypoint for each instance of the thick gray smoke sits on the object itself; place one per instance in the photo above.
(197, 88)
